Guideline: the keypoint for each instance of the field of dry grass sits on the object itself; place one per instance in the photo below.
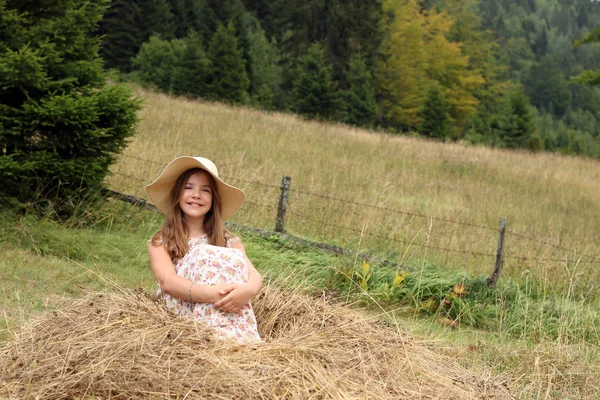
(402, 196)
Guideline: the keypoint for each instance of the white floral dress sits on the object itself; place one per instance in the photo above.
(210, 265)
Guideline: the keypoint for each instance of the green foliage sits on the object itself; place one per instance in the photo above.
(519, 125)
(190, 74)
(472, 50)
(60, 126)
(266, 76)
(526, 311)
(315, 93)
(177, 66)
(157, 62)
(361, 106)
(435, 116)
(547, 89)
(228, 78)
(128, 24)
(590, 77)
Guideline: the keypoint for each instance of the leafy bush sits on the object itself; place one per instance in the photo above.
(455, 299)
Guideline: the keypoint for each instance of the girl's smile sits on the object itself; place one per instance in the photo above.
(196, 198)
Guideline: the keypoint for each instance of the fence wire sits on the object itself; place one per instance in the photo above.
(393, 239)
(591, 259)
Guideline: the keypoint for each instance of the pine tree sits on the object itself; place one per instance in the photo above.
(315, 93)
(266, 75)
(435, 116)
(519, 127)
(547, 88)
(130, 23)
(191, 73)
(228, 78)
(360, 103)
(60, 126)
(123, 37)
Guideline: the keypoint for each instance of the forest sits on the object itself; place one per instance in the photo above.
(501, 73)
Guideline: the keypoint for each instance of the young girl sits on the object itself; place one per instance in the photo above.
(202, 269)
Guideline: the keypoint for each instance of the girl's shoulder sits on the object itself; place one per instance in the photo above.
(155, 241)
(231, 239)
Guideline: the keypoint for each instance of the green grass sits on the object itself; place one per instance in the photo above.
(544, 342)
(551, 198)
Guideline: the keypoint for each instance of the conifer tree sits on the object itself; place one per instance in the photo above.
(191, 73)
(547, 88)
(60, 126)
(589, 77)
(435, 116)
(266, 76)
(130, 23)
(228, 78)
(157, 61)
(519, 126)
(123, 37)
(360, 103)
(315, 93)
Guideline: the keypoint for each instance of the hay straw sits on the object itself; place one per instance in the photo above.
(124, 345)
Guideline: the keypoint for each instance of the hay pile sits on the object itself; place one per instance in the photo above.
(126, 346)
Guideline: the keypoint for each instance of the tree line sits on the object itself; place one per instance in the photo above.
(496, 72)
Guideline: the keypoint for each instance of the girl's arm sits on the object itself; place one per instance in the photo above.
(238, 295)
(176, 286)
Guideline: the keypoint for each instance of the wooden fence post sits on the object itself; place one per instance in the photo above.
(283, 202)
(493, 278)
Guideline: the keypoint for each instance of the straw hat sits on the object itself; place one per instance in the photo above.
(160, 190)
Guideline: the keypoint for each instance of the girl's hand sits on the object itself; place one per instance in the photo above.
(236, 297)
(215, 293)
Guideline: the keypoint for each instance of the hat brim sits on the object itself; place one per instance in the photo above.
(159, 191)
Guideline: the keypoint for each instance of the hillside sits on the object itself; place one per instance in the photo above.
(535, 336)
(403, 196)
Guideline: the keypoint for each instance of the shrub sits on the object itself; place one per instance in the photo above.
(61, 127)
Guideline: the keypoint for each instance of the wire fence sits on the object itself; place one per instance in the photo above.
(319, 214)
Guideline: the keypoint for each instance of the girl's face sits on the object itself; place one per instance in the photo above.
(196, 197)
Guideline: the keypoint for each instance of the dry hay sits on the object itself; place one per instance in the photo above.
(124, 345)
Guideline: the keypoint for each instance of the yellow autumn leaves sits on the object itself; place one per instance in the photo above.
(420, 55)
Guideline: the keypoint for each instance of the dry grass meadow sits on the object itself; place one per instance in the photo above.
(404, 197)
(428, 205)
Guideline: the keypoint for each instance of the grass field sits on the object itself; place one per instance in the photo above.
(539, 330)
(46, 263)
(551, 202)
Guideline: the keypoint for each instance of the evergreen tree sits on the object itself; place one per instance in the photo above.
(589, 77)
(435, 116)
(156, 18)
(122, 35)
(547, 88)
(190, 75)
(519, 127)
(188, 15)
(223, 12)
(315, 93)
(360, 103)
(341, 27)
(157, 61)
(266, 76)
(228, 78)
(60, 126)
(130, 23)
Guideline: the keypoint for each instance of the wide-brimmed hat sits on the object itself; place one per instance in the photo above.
(159, 191)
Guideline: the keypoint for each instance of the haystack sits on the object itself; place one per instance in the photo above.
(124, 345)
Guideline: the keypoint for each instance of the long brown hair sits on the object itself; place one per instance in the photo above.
(174, 232)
